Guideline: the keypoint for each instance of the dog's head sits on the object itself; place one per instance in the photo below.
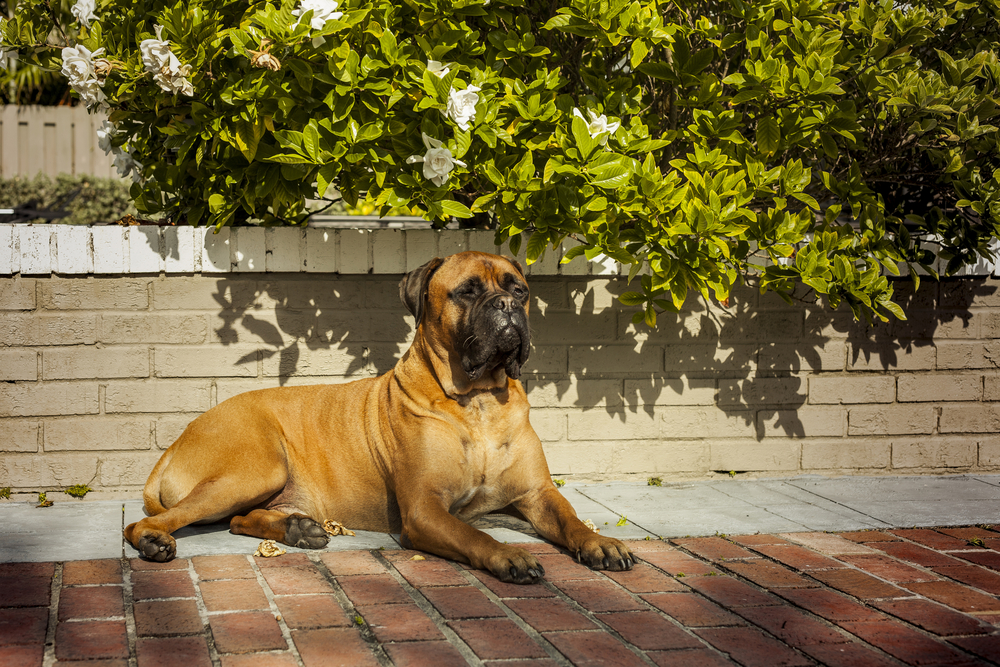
(476, 306)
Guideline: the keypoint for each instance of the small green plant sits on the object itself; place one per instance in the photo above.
(713, 573)
(976, 542)
(43, 501)
(680, 575)
(358, 620)
(732, 473)
(622, 521)
(78, 490)
(559, 482)
(654, 481)
(5, 492)
(647, 538)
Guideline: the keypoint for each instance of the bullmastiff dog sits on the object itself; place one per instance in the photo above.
(423, 450)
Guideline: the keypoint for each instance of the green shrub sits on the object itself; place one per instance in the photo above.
(98, 200)
(699, 143)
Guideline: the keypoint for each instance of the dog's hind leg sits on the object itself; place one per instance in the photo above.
(208, 501)
(295, 530)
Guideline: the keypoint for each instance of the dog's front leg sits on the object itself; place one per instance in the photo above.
(428, 526)
(555, 519)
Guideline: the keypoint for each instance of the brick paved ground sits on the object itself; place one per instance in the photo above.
(899, 597)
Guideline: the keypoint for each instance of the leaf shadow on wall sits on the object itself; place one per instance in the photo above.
(324, 327)
(743, 370)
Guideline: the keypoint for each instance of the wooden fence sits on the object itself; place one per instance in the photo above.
(51, 141)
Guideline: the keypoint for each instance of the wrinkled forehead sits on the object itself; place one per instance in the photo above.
(476, 266)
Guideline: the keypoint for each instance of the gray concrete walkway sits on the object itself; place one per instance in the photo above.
(83, 530)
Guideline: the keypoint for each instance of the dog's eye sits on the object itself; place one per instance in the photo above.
(518, 292)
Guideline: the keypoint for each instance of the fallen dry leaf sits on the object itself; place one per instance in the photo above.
(268, 549)
(336, 528)
(418, 557)
(590, 524)
(45, 503)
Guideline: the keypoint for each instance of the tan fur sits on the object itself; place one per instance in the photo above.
(421, 450)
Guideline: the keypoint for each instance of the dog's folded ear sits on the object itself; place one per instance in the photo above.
(413, 288)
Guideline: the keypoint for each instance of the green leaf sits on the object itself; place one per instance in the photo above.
(455, 209)
(536, 246)
(767, 134)
(632, 298)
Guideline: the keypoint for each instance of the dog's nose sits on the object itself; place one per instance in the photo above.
(504, 302)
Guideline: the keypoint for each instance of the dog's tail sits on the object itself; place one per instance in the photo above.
(151, 492)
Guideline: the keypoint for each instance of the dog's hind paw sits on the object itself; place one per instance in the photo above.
(305, 533)
(157, 547)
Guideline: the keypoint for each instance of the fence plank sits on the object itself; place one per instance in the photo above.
(51, 141)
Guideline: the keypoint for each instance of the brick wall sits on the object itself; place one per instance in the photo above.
(99, 372)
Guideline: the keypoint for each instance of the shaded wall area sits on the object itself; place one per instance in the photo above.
(98, 375)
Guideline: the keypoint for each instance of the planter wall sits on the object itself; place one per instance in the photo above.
(112, 339)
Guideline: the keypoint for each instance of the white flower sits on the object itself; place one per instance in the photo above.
(104, 135)
(155, 52)
(462, 106)
(166, 68)
(437, 68)
(438, 161)
(83, 10)
(599, 127)
(78, 64)
(78, 67)
(323, 11)
(126, 165)
(7, 56)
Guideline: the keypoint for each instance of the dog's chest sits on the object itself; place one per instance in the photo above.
(488, 456)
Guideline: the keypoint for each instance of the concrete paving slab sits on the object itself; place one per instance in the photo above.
(880, 489)
(820, 518)
(731, 521)
(19, 517)
(641, 498)
(909, 513)
(59, 545)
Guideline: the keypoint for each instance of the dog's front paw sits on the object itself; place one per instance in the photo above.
(515, 566)
(159, 547)
(304, 533)
(605, 553)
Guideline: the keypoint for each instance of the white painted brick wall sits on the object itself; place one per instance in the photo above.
(143, 249)
(109, 249)
(284, 249)
(73, 250)
(35, 244)
(250, 249)
(321, 251)
(216, 254)
(8, 251)
(179, 249)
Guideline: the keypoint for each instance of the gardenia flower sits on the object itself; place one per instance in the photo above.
(323, 11)
(462, 106)
(126, 165)
(83, 10)
(7, 55)
(599, 127)
(437, 68)
(166, 68)
(438, 161)
(155, 52)
(78, 67)
(104, 134)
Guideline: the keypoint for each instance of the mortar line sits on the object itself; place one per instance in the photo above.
(49, 654)
(128, 602)
(351, 611)
(431, 612)
(537, 636)
(286, 632)
(206, 628)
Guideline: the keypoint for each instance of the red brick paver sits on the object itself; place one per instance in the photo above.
(867, 598)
